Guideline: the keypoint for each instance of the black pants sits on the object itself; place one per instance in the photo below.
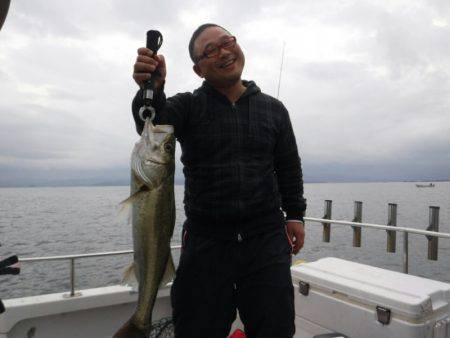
(216, 277)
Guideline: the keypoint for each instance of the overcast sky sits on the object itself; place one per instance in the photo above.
(367, 83)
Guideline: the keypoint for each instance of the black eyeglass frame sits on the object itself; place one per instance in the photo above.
(216, 49)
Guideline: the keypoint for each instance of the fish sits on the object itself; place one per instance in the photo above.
(152, 205)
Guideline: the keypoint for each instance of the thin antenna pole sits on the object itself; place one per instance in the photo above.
(281, 69)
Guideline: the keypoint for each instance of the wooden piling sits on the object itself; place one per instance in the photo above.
(357, 230)
(434, 226)
(326, 226)
(392, 221)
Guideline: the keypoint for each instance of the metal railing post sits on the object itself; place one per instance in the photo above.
(392, 221)
(72, 277)
(405, 253)
(72, 280)
(326, 226)
(358, 219)
(434, 226)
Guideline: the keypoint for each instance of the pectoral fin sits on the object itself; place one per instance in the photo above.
(169, 273)
(136, 195)
(125, 206)
(130, 277)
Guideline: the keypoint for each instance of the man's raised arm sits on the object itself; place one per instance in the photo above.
(171, 111)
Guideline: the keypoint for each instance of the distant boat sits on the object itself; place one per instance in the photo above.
(430, 185)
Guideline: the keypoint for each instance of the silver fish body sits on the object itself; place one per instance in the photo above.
(153, 219)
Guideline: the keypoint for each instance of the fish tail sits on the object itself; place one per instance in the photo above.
(129, 330)
(129, 276)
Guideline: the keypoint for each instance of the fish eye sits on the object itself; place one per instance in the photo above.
(168, 147)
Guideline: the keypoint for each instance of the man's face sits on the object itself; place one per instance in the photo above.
(226, 68)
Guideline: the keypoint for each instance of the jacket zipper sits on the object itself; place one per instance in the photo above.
(238, 230)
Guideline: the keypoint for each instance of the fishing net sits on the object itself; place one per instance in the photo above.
(162, 328)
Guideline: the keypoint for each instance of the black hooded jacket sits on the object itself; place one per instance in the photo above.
(241, 163)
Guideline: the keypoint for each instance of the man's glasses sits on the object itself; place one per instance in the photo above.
(213, 50)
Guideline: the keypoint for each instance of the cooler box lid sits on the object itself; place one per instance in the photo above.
(411, 296)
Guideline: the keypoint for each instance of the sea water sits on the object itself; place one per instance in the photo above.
(36, 222)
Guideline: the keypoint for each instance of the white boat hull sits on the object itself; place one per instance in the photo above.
(340, 296)
(95, 313)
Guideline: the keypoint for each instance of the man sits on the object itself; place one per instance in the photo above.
(241, 166)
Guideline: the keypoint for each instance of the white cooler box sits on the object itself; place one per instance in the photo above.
(361, 301)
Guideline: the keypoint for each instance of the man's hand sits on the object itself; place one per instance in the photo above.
(146, 63)
(296, 233)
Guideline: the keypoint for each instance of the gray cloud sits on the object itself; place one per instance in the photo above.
(366, 83)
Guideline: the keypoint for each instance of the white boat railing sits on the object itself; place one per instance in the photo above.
(72, 261)
(389, 228)
(381, 227)
(324, 221)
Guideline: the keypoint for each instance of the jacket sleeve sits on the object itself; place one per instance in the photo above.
(288, 169)
(173, 110)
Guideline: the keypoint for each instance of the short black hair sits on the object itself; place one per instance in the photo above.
(195, 35)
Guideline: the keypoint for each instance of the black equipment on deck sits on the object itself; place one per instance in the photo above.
(7, 269)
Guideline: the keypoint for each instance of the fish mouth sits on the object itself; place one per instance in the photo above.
(154, 161)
